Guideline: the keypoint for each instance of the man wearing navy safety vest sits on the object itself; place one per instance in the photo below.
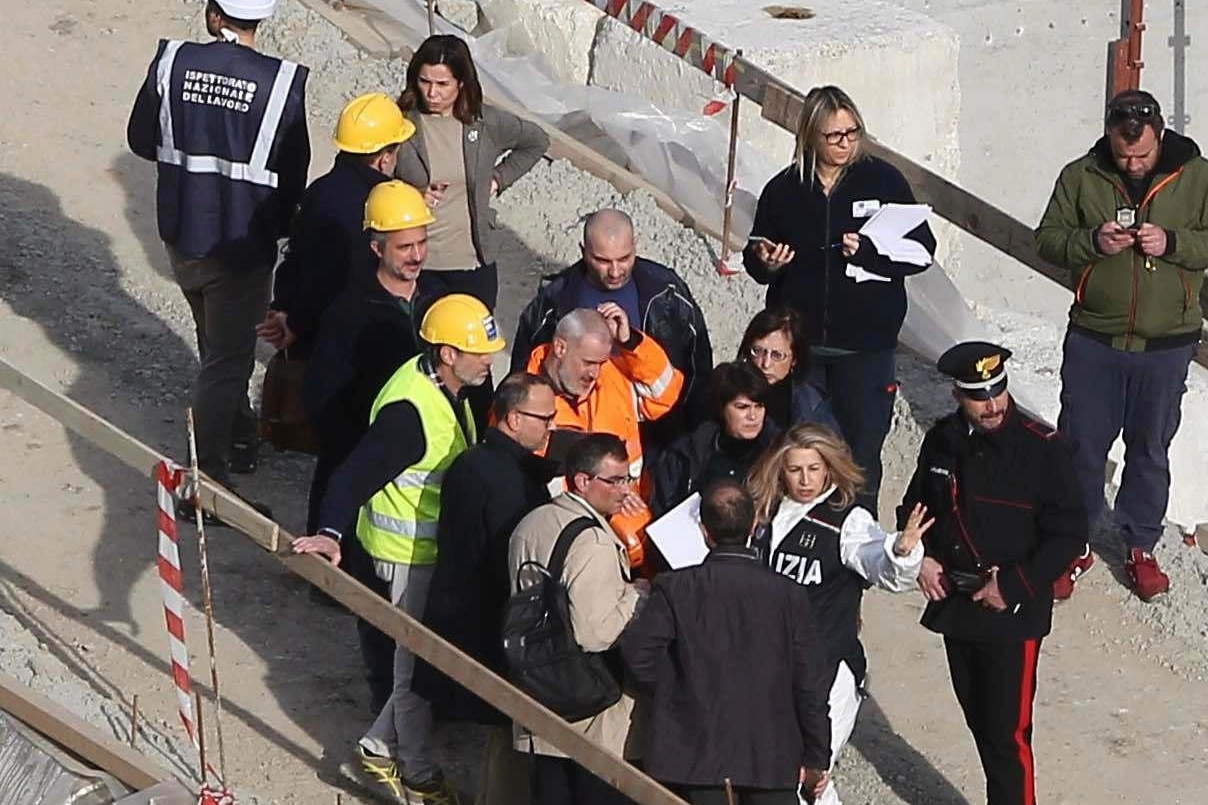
(419, 423)
(226, 127)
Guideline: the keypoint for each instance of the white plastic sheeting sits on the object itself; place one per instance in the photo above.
(33, 771)
(684, 155)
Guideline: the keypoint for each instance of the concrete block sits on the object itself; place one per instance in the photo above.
(562, 31)
(899, 66)
(462, 13)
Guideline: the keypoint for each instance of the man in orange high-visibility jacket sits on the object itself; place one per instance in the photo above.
(602, 389)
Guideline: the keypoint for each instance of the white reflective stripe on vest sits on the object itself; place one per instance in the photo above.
(401, 527)
(418, 480)
(254, 170)
(660, 385)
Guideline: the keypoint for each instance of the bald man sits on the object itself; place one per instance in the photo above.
(655, 299)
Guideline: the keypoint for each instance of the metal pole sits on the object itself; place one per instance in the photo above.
(431, 17)
(1133, 34)
(1179, 42)
(1124, 54)
(207, 599)
(731, 160)
(201, 740)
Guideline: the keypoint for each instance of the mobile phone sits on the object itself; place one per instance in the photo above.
(760, 239)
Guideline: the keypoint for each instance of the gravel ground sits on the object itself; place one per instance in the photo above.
(137, 308)
(23, 657)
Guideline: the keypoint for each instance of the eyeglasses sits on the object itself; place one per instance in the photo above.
(617, 481)
(546, 418)
(851, 135)
(1132, 111)
(775, 355)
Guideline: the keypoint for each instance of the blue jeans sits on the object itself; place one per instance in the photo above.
(1105, 391)
(861, 388)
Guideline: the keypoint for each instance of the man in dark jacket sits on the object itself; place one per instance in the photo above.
(656, 300)
(732, 660)
(367, 334)
(491, 487)
(226, 127)
(1129, 221)
(327, 244)
(1008, 520)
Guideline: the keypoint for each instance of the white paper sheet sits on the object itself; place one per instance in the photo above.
(887, 230)
(861, 275)
(678, 536)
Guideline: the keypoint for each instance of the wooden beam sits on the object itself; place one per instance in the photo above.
(78, 737)
(352, 594)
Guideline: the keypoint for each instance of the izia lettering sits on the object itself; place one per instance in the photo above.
(214, 89)
(801, 569)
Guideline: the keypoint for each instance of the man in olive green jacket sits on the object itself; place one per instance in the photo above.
(1130, 220)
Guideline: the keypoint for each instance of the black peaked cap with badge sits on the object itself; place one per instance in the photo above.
(978, 368)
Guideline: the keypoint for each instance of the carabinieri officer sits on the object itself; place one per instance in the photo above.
(1009, 520)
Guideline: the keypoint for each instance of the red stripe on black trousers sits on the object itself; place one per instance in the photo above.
(995, 684)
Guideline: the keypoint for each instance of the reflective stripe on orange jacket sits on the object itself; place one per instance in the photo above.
(636, 385)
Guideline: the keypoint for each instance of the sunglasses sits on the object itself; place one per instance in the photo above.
(1133, 111)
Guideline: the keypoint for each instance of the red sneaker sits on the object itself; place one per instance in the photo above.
(1144, 576)
(1063, 588)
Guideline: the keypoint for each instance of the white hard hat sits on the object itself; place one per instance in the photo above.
(247, 9)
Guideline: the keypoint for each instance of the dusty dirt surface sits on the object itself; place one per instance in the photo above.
(89, 307)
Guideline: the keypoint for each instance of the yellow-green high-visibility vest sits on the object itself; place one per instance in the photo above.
(398, 524)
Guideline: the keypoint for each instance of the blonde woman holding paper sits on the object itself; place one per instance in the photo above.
(806, 247)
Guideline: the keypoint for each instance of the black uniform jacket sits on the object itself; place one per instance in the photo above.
(364, 337)
(487, 490)
(327, 247)
(737, 671)
(839, 312)
(1005, 499)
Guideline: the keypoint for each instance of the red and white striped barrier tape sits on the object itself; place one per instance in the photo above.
(672, 34)
(169, 478)
(172, 482)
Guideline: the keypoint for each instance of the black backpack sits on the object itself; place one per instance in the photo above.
(542, 656)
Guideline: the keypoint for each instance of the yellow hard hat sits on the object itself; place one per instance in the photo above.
(396, 205)
(461, 321)
(371, 122)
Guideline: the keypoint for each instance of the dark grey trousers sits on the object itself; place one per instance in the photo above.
(227, 304)
(1105, 391)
